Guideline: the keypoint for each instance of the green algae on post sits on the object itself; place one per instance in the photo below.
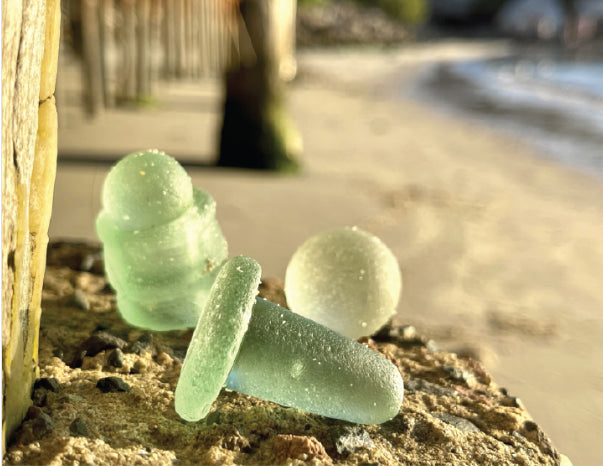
(346, 279)
(261, 349)
(162, 244)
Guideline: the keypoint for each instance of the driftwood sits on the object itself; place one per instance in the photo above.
(30, 40)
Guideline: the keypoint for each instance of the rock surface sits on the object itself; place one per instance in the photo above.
(453, 413)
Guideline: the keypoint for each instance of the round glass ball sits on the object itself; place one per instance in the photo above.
(346, 279)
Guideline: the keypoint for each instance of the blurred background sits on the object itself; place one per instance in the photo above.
(466, 134)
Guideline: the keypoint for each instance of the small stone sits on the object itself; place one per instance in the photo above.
(213, 418)
(37, 425)
(71, 398)
(140, 366)
(460, 423)
(301, 448)
(528, 427)
(39, 397)
(387, 333)
(116, 358)
(48, 383)
(512, 401)
(432, 346)
(164, 359)
(420, 385)
(33, 412)
(112, 384)
(460, 375)
(78, 428)
(352, 438)
(408, 332)
(142, 343)
(79, 300)
(98, 342)
(93, 262)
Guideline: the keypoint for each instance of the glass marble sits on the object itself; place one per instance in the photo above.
(346, 279)
(161, 241)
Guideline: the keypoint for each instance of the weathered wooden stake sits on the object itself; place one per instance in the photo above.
(93, 69)
(143, 56)
(30, 40)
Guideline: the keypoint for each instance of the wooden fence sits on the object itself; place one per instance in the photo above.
(127, 45)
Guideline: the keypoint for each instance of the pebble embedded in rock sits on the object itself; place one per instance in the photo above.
(112, 384)
(460, 423)
(116, 358)
(142, 343)
(460, 375)
(349, 439)
(96, 343)
(39, 397)
(79, 300)
(37, 425)
(49, 383)
(78, 428)
(33, 412)
(213, 418)
(420, 385)
(93, 263)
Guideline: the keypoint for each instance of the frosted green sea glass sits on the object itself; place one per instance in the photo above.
(263, 350)
(346, 279)
(297, 362)
(217, 337)
(162, 244)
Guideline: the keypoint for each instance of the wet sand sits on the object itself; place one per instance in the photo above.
(501, 249)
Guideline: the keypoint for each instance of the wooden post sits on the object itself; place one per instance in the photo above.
(143, 56)
(180, 37)
(30, 42)
(129, 50)
(257, 131)
(108, 50)
(157, 18)
(93, 70)
(170, 39)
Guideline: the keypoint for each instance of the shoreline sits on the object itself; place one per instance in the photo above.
(502, 239)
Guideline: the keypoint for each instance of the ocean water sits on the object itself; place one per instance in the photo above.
(555, 104)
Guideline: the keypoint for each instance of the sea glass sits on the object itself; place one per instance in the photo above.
(346, 279)
(261, 349)
(162, 243)
(216, 340)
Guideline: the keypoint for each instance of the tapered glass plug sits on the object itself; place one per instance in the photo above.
(261, 349)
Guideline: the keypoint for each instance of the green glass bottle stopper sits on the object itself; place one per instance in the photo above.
(261, 349)
(162, 243)
(346, 279)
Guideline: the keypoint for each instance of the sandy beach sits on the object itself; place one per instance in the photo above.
(501, 249)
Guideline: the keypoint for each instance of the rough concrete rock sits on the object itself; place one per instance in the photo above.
(453, 413)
